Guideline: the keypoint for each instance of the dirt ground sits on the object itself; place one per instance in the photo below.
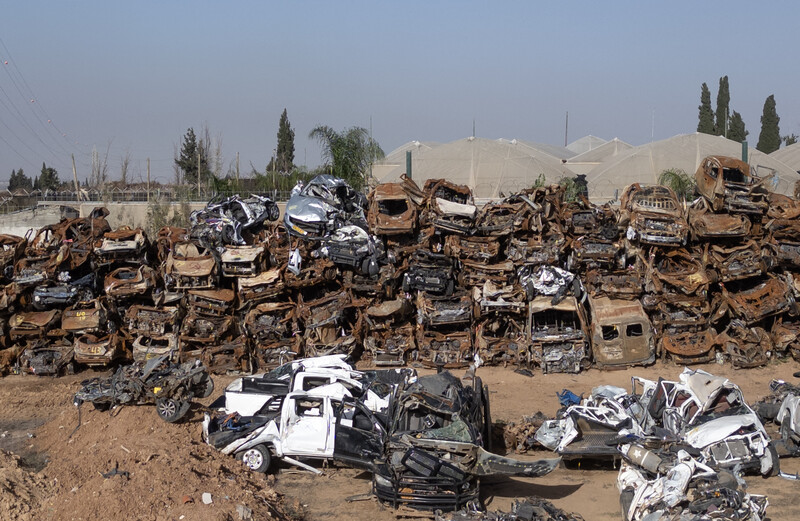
(57, 477)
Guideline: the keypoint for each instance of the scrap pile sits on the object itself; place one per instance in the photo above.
(410, 275)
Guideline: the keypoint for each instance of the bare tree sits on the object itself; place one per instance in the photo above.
(99, 174)
(124, 164)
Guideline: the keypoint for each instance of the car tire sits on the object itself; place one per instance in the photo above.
(786, 435)
(274, 212)
(776, 463)
(257, 459)
(206, 388)
(171, 410)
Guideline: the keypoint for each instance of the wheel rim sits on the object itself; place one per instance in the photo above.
(168, 408)
(253, 459)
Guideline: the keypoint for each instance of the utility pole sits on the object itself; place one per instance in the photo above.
(148, 179)
(198, 173)
(237, 170)
(75, 179)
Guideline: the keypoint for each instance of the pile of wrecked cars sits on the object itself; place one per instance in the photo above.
(425, 439)
(410, 275)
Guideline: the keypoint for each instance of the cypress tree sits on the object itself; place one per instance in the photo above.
(723, 102)
(736, 130)
(769, 140)
(285, 151)
(706, 123)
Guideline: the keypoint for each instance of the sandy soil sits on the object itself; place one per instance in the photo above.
(58, 477)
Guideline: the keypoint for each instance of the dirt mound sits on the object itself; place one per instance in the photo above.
(130, 463)
(21, 491)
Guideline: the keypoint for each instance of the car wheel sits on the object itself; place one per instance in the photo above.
(775, 468)
(206, 387)
(171, 410)
(257, 459)
(786, 435)
(274, 212)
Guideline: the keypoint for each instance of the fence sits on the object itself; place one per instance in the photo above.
(143, 196)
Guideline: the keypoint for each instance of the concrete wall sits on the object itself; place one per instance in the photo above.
(120, 214)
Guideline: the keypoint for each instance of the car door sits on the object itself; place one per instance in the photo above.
(307, 426)
(359, 436)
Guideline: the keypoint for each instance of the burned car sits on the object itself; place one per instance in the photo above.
(12, 248)
(757, 298)
(323, 205)
(190, 266)
(124, 245)
(450, 207)
(734, 262)
(782, 246)
(729, 185)
(42, 357)
(66, 293)
(352, 247)
(705, 224)
(171, 387)
(558, 335)
(705, 413)
(228, 221)
(243, 261)
(653, 215)
(431, 272)
(95, 350)
(33, 324)
(86, 317)
(621, 333)
(391, 211)
(389, 334)
(430, 450)
(127, 282)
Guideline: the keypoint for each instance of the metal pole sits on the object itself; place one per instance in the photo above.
(744, 151)
(148, 179)
(408, 163)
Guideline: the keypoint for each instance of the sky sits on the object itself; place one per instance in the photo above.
(127, 79)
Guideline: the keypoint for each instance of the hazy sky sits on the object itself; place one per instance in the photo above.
(131, 77)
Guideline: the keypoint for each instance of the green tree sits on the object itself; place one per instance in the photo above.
(681, 183)
(19, 181)
(769, 140)
(736, 130)
(347, 154)
(723, 102)
(791, 139)
(48, 179)
(191, 150)
(285, 151)
(706, 116)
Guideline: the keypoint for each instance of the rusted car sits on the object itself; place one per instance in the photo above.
(205, 328)
(786, 335)
(653, 215)
(590, 252)
(480, 249)
(12, 248)
(267, 285)
(692, 346)
(333, 324)
(431, 272)
(621, 333)
(614, 284)
(782, 206)
(538, 249)
(129, 281)
(389, 334)
(475, 273)
(229, 356)
(558, 335)
(450, 348)
(86, 317)
(44, 357)
(494, 298)
(94, 350)
(500, 339)
(125, 245)
(705, 224)
(243, 261)
(210, 301)
(152, 321)
(782, 245)
(729, 185)
(725, 263)
(167, 238)
(438, 310)
(190, 266)
(451, 207)
(145, 347)
(746, 346)
(274, 328)
(754, 299)
(391, 211)
(675, 271)
(33, 324)
(581, 217)
(312, 273)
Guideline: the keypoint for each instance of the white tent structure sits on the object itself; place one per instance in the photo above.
(789, 155)
(396, 159)
(585, 162)
(492, 168)
(586, 143)
(643, 164)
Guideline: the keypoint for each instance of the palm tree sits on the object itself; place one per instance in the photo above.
(681, 183)
(347, 154)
